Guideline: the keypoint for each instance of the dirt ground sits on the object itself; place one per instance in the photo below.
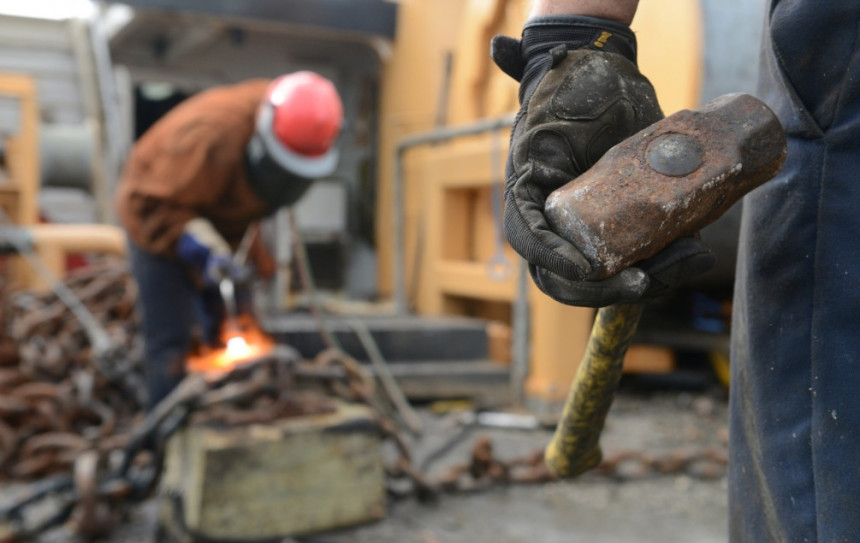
(596, 509)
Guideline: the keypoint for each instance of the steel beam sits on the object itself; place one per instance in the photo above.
(375, 17)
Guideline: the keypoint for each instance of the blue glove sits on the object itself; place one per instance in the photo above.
(202, 247)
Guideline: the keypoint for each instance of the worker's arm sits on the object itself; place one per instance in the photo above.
(201, 247)
(173, 174)
(580, 94)
(620, 11)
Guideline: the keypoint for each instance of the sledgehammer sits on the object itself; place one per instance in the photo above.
(670, 179)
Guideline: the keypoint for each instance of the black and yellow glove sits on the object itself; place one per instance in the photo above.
(580, 94)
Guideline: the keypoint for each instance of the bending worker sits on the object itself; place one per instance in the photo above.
(794, 417)
(196, 181)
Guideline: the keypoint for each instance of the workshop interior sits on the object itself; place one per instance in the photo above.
(378, 340)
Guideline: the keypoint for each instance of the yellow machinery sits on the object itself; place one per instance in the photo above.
(19, 190)
(440, 78)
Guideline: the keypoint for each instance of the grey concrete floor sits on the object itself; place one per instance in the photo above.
(659, 509)
(595, 509)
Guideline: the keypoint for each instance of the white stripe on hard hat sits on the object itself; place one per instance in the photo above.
(301, 165)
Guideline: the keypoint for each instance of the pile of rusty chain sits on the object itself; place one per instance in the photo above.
(484, 470)
(94, 453)
(85, 441)
(101, 481)
(54, 403)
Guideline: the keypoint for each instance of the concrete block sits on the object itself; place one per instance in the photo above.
(294, 476)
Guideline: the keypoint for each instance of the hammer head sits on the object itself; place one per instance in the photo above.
(667, 181)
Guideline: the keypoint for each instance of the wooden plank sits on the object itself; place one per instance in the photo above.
(673, 61)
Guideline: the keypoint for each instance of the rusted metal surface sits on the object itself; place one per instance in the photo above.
(91, 452)
(484, 469)
(668, 181)
(54, 403)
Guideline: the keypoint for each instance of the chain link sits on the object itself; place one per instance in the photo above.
(63, 422)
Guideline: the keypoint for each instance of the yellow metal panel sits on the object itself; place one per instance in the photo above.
(479, 89)
(19, 184)
(649, 359)
(23, 148)
(448, 196)
(559, 334)
(465, 162)
(671, 44)
(412, 79)
(470, 279)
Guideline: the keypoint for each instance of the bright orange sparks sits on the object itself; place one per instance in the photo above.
(237, 347)
(244, 342)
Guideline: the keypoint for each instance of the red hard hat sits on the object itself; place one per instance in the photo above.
(298, 122)
(307, 112)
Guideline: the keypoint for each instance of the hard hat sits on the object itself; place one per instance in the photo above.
(298, 122)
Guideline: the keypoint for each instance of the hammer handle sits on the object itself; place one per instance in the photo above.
(575, 447)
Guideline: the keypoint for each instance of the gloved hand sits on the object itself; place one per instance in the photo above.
(580, 94)
(203, 248)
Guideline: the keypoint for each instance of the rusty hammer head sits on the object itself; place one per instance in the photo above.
(667, 181)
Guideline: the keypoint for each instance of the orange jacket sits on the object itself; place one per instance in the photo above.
(191, 164)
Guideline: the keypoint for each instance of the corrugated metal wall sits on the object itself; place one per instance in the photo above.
(77, 153)
(46, 50)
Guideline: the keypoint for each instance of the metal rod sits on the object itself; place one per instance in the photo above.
(228, 294)
(306, 276)
(389, 382)
(283, 258)
(399, 219)
(240, 257)
(520, 339)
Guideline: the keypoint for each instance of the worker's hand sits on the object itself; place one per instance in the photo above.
(580, 94)
(219, 267)
(203, 248)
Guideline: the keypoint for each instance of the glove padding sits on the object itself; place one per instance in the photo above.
(581, 93)
(684, 258)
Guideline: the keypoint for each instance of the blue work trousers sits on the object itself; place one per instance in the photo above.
(794, 469)
(170, 307)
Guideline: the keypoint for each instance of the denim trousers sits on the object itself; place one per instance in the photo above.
(170, 307)
(794, 413)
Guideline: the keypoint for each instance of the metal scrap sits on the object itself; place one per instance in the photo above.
(91, 451)
(54, 403)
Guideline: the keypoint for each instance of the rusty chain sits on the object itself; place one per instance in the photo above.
(88, 447)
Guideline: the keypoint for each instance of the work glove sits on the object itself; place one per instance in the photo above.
(580, 94)
(202, 248)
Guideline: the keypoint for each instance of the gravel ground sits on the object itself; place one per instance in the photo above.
(596, 509)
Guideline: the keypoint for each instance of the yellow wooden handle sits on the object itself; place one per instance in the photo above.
(575, 447)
